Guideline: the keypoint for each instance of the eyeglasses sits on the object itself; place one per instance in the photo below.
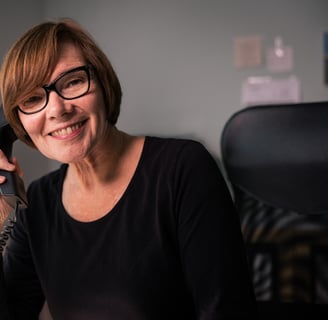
(70, 85)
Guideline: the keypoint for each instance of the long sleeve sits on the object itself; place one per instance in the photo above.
(4, 315)
(19, 282)
(210, 239)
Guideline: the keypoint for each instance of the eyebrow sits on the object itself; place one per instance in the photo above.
(61, 74)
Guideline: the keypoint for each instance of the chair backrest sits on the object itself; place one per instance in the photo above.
(276, 161)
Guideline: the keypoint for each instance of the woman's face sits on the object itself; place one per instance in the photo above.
(68, 130)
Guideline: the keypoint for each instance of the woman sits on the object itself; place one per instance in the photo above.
(129, 227)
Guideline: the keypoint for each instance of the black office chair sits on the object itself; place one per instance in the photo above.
(276, 161)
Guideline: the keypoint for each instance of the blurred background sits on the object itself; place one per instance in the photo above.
(176, 59)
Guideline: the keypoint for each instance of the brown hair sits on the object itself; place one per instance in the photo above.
(32, 58)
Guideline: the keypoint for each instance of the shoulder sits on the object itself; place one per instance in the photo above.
(174, 147)
(179, 155)
(43, 195)
(48, 182)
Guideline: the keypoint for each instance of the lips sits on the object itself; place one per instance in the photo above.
(67, 131)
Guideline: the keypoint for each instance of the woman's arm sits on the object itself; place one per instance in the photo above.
(210, 239)
(20, 284)
(4, 314)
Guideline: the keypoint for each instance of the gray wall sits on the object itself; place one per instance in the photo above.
(175, 57)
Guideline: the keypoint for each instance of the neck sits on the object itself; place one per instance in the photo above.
(104, 164)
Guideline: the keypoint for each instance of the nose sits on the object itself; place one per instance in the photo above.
(57, 107)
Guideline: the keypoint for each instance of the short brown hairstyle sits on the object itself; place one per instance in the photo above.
(32, 58)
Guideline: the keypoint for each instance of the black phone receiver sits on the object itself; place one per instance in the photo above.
(12, 190)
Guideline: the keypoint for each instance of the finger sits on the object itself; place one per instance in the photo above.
(4, 163)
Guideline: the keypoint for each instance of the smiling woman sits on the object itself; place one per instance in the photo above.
(129, 227)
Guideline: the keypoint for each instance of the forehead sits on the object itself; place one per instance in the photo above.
(69, 57)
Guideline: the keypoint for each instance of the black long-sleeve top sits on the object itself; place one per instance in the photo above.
(171, 248)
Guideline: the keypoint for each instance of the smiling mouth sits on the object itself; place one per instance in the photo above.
(68, 130)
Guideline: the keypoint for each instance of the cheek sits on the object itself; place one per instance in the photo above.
(99, 110)
(31, 124)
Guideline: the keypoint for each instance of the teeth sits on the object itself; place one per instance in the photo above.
(66, 131)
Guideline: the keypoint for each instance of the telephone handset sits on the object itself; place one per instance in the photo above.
(12, 190)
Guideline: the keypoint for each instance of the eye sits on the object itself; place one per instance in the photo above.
(72, 81)
(32, 100)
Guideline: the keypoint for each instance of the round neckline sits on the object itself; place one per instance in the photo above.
(119, 202)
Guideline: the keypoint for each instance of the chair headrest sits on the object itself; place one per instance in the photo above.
(279, 154)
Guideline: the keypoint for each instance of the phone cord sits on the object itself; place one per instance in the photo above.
(7, 227)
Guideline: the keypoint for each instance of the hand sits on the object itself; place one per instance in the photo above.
(5, 209)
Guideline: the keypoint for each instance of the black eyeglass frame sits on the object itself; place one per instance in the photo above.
(52, 87)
